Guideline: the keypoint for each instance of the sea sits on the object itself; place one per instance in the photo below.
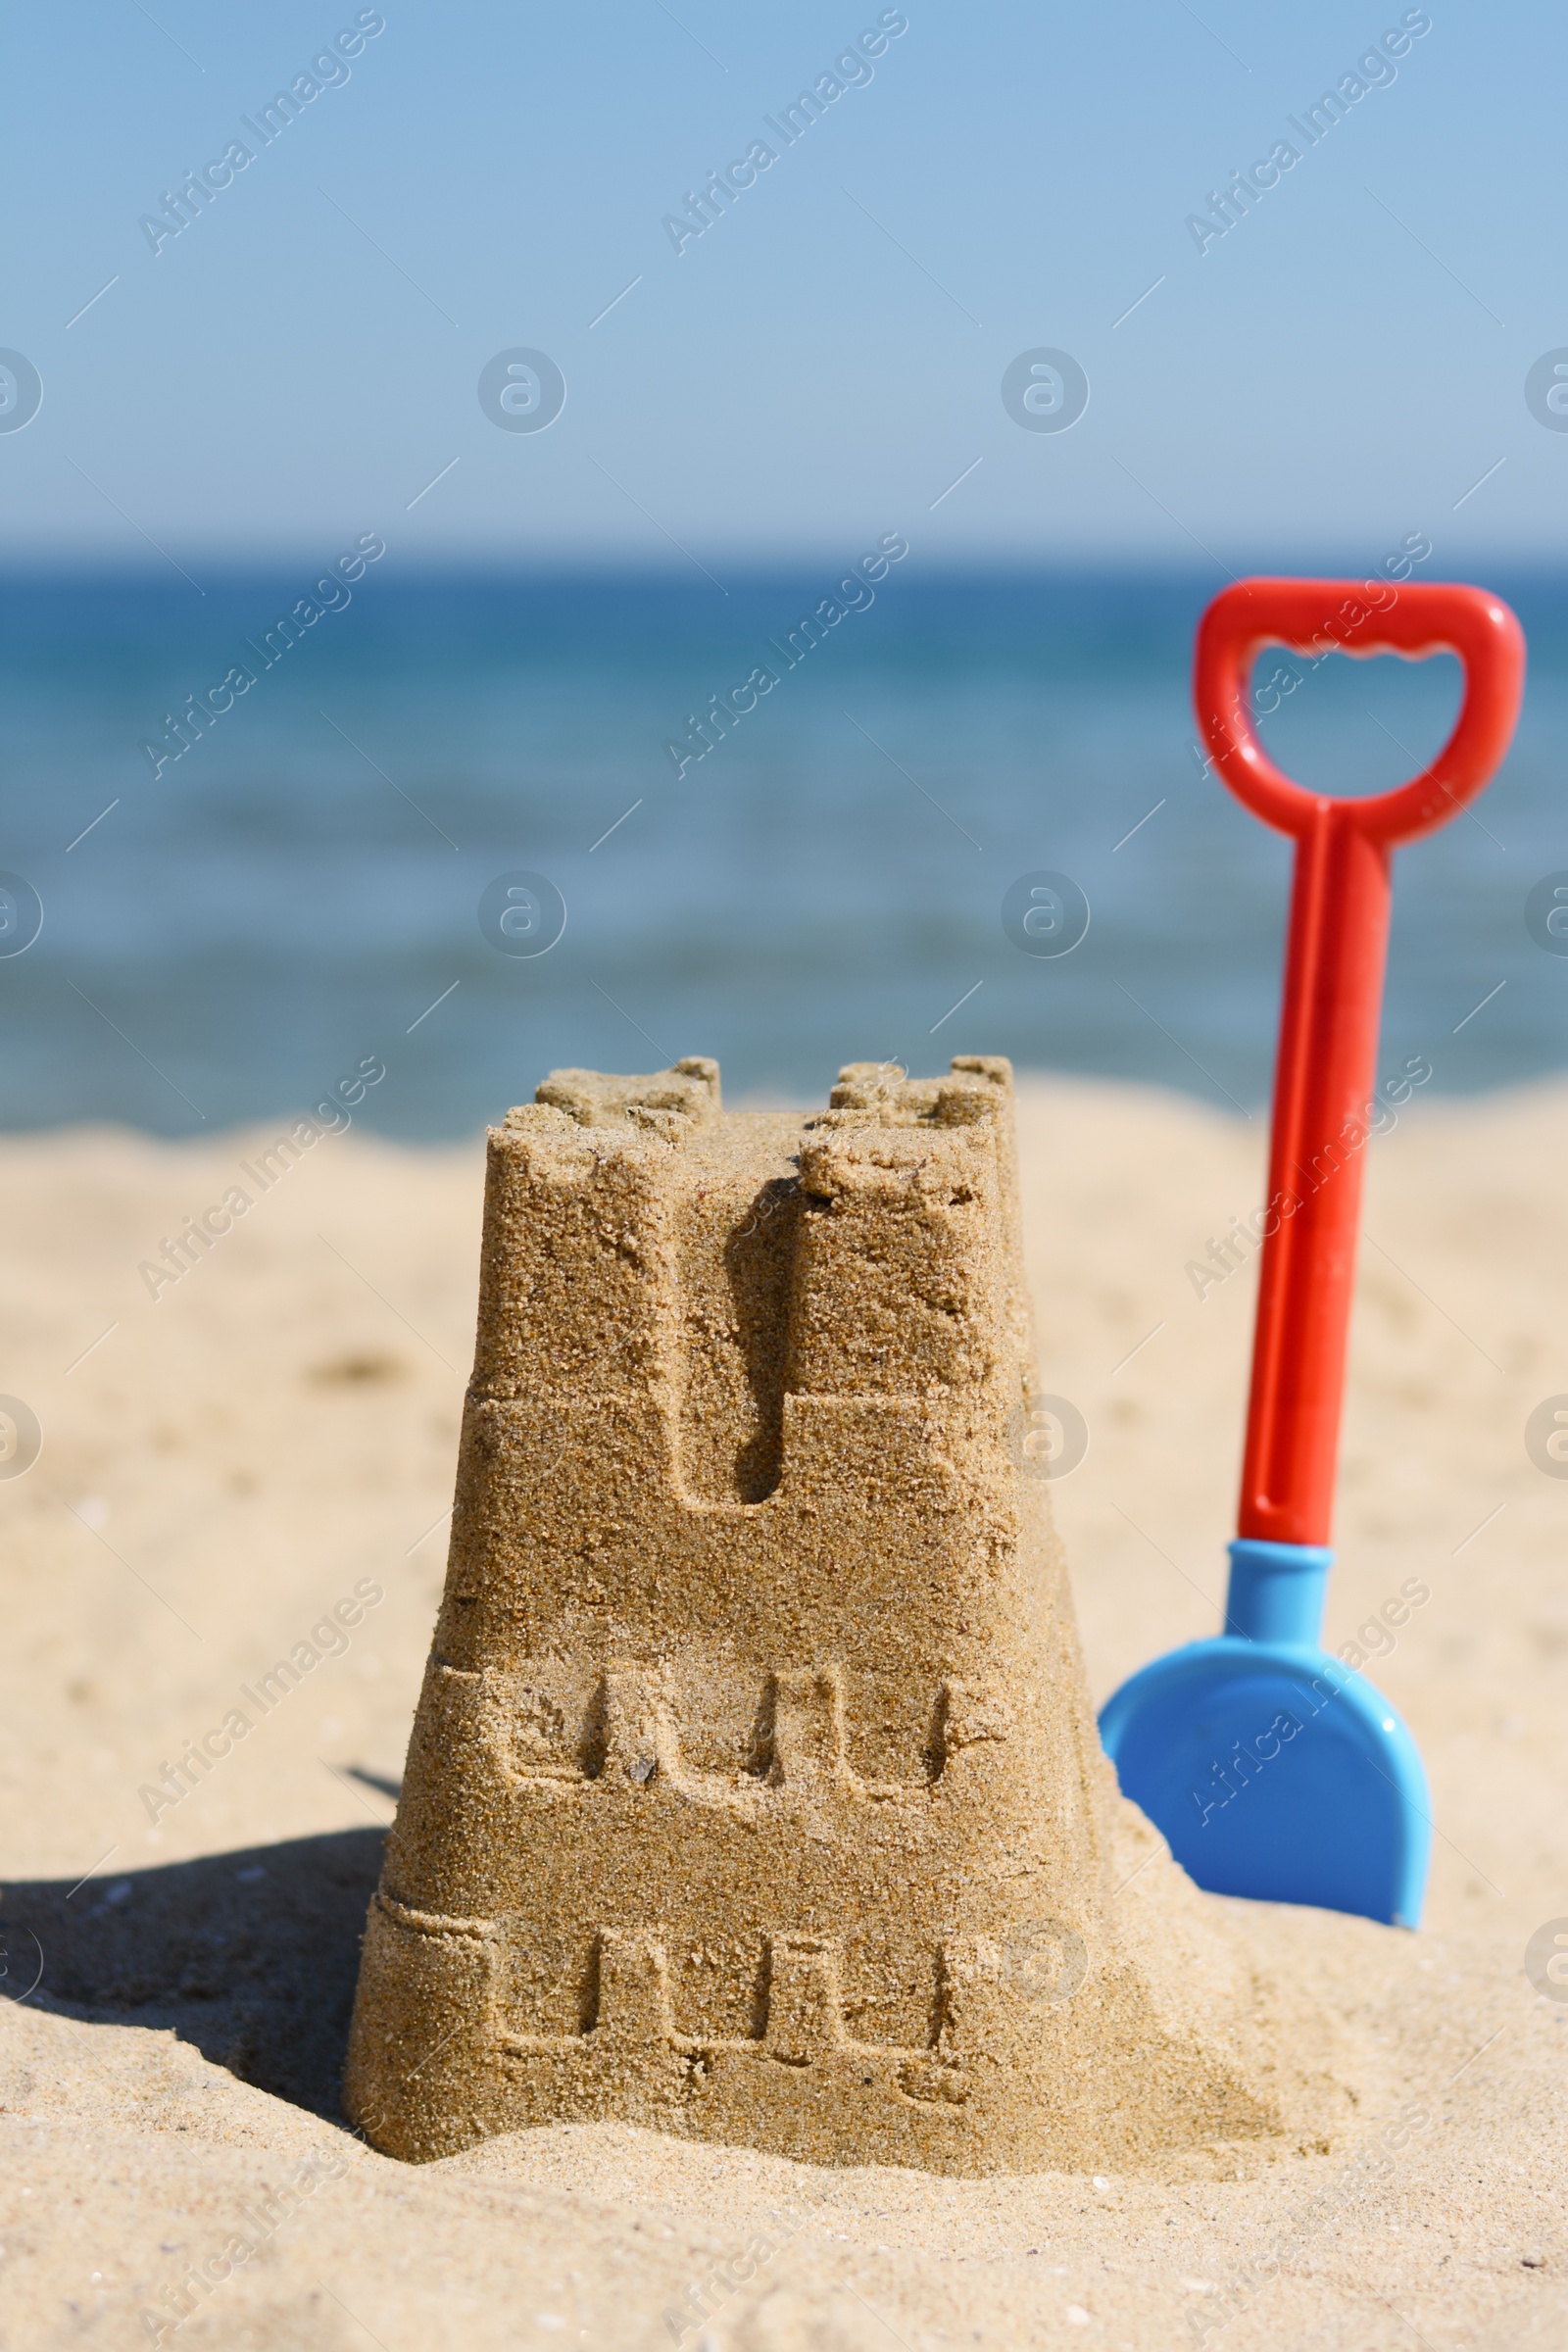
(469, 826)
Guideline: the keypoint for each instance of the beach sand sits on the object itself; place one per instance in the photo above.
(278, 1429)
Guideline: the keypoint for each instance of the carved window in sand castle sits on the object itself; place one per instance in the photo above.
(737, 1265)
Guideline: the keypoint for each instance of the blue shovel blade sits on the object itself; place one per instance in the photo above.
(1273, 1771)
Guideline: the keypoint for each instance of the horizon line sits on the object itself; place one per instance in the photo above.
(1064, 563)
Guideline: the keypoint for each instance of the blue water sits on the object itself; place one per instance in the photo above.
(290, 896)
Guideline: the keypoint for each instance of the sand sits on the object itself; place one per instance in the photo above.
(276, 1435)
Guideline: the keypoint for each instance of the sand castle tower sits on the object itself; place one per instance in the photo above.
(754, 1792)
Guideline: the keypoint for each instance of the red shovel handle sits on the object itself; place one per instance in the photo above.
(1326, 1070)
(1322, 617)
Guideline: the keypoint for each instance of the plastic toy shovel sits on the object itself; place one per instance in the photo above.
(1271, 1768)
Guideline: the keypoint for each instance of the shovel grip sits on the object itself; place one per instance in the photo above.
(1323, 616)
(1335, 956)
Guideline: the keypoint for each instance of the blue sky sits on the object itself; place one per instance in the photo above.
(820, 365)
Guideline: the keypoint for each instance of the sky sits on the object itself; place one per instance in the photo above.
(302, 361)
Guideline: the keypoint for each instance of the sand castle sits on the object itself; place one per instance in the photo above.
(754, 1792)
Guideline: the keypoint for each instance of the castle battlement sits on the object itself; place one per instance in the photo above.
(754, 1748)
(623, 1738)
(799, 2011)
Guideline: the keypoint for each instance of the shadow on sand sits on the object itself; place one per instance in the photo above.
(251, 1956)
